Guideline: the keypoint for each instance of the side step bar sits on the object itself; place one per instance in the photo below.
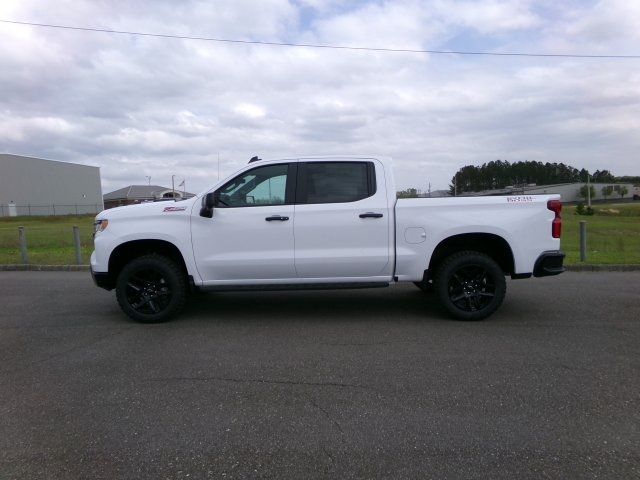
(292, 286)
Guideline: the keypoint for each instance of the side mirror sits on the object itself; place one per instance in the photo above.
(208, 202)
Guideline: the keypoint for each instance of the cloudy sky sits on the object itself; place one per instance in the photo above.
(144, 106)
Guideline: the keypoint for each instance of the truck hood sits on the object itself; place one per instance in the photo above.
(149, 209)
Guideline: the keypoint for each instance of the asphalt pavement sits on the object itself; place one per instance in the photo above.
(324, 384)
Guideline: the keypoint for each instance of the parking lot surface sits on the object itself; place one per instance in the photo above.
(324, 384)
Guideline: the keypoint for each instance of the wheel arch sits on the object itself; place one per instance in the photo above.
(490, 244)
(127, 251)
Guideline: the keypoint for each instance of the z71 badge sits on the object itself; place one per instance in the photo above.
(174, 209)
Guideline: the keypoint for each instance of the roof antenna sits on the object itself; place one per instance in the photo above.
(254, 159)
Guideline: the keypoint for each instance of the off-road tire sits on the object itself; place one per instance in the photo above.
(161, 280)
(470, 285)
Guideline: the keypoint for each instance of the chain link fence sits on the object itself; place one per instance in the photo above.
(12, 210)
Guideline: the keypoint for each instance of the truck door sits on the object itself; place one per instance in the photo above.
(342, 220)
(249, 238)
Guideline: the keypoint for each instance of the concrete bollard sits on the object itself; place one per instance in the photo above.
(76, 242)
(22, 237)
(583, 240)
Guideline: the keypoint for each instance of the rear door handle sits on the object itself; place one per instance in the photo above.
(279, 218)
(371, 215)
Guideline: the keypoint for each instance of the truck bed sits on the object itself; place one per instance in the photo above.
(524, 222)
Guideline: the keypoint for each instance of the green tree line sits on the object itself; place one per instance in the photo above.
(501, 173)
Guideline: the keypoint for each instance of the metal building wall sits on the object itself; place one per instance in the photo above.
(571, 192)
(47, 187)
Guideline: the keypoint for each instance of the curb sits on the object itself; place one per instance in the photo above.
(602, 268)
(43, 268)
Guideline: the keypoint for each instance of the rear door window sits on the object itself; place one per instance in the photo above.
(335, 182)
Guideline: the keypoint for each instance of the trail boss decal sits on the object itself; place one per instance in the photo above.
(174, 209)
(519, 199)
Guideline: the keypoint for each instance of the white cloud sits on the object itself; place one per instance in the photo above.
(489, 16)
(609, 21)
(389, 24)
(249, 110)
(20, 129)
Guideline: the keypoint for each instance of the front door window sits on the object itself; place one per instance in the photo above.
(260, 186)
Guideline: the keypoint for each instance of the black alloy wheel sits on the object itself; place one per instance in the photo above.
(151, 289)
(470, 285)
(147, 291)
(471, 288)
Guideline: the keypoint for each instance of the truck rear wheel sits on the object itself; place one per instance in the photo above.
(470, 285)
(151, 289)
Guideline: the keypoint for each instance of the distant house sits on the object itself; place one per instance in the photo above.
(142, 193)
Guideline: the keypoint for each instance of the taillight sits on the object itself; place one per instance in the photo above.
(556, 226)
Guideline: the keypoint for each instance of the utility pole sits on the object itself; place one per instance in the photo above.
(455, 185)
(588, 189)
(173, 186)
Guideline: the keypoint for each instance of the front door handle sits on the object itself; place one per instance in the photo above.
(279, 218)
(371, 215)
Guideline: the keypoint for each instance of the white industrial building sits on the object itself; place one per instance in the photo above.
(34, 186)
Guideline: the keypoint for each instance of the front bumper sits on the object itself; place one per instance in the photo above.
(549, 263)
(102, 280)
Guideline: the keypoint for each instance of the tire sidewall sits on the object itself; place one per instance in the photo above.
(460, 260)
(170, 272)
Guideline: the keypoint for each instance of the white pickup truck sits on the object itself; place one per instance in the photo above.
(323, 222)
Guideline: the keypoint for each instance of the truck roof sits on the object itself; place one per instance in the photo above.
(337, 158)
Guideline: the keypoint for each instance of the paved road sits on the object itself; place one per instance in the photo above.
(348, 384)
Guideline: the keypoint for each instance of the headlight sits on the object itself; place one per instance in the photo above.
(100, 225)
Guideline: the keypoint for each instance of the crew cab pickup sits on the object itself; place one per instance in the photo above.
(323, 222)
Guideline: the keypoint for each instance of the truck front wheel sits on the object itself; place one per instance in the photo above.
(151, 289)
(470, 285)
